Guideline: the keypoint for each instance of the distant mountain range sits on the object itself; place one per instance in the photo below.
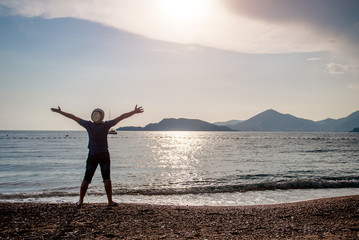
(228, 123)
(267, 121)
(181, 124)
(274, 121)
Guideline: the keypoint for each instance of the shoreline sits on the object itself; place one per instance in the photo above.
(328, 218)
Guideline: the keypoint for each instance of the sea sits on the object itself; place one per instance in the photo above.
(182, 168)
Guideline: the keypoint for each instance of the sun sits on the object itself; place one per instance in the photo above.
(183, 20)
(184, 11)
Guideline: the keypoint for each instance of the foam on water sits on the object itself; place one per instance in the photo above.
(214, 199)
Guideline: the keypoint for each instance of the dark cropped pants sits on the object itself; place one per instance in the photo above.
(95, 159)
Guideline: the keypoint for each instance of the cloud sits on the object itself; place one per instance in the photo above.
(314, 59)
(335, 23)
(277, 26)
(330, 14)
(353, 86)
(336, 68)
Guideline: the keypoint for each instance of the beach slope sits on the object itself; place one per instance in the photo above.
(332, 218)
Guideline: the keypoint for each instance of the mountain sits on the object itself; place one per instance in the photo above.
(272, 120)
(267, 121)
(130, 129)
(228, 123)
(345, 124)
(181, 124)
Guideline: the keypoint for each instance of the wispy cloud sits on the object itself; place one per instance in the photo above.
(353, 86)
(277, 26)
(336, 68)
(314, 59)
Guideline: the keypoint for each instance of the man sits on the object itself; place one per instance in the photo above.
(97, 131)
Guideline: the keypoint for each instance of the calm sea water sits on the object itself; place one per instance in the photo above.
(186, 168)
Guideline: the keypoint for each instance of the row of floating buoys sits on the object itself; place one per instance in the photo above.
(12, 137)
(190, 137)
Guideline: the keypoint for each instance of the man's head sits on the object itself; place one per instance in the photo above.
(97, 115)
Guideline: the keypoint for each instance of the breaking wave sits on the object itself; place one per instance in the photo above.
(317, 183)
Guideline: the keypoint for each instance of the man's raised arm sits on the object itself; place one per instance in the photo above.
(129, 114)
(68, 115)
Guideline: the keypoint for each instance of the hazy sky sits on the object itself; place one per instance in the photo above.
(214, 60)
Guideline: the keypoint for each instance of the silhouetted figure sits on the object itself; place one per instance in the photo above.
(97, 130)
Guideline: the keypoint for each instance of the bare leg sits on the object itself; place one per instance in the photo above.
(108, 188)
(83, 191)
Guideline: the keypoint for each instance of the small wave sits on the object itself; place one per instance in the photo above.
(345, 182)
(318, 183)
(320, 151)
(36, 195)
(329, 150)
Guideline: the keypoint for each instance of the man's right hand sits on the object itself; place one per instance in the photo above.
(58, 109)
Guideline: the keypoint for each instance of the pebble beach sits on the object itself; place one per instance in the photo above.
(329, 218)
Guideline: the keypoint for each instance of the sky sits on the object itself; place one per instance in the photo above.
(214, 60)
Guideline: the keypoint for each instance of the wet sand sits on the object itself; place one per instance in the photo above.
(331, 218)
